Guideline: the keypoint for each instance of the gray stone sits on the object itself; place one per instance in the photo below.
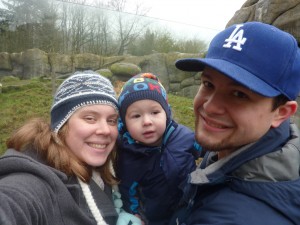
(190, 91)
(5, 63)
(86, 61)
(187, 82)
(282, 14)
(176, 75)
(60, 63)
(108, 61)
(35, 64)
(17, 64)
(156, 64)
(124, 71)
(174, 88)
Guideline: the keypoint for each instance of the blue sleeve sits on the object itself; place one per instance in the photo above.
(181, 154)
(128, 173)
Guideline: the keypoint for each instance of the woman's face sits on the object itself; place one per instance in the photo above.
(92, 133)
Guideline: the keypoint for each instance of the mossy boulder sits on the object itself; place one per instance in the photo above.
(106, 73)
(124, 71)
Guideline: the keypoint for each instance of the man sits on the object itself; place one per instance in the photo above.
(250, 171)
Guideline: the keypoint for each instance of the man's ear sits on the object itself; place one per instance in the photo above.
(284, 112)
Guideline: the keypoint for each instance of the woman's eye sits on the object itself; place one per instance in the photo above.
(89, 118)
(112, 122)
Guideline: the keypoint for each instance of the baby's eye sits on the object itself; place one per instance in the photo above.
(155, 112)
(135, 116)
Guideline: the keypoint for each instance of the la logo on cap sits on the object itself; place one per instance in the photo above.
(236, 37)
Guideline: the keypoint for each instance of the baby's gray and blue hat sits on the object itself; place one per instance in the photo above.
(79, 90)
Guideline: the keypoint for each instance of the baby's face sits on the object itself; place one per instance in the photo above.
(146, 122)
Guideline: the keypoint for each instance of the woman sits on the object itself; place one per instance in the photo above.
(61, 173)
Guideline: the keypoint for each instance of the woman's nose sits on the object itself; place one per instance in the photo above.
(103, 128)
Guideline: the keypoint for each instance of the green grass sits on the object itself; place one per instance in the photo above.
(19, 103)
(22, 100)
(182, 109)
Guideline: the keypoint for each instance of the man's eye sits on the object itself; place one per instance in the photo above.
(240, 94)
(206, 84)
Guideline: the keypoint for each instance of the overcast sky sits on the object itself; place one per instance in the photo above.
(206, 16)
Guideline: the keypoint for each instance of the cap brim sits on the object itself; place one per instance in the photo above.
(190, 64)
(231, 70)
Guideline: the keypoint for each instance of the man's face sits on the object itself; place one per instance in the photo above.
(229, 115)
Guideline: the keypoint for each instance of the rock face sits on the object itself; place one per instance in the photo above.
(5, 62)
(60, 63)
(36, 63)
(284, 14)
(87, 61)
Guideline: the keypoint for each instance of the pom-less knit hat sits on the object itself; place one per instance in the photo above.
(140, 87)
(79, 90)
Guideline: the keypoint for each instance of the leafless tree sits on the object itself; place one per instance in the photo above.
(128, 26)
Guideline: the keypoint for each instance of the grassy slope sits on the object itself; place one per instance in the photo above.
(34, 99)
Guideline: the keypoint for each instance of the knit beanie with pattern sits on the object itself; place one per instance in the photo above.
(140, 87)
(79, 90)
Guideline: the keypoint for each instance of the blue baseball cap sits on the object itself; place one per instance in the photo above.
(259, 56)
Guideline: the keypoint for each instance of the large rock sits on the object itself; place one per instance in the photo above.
(60, 63)
(108, 61)
(156, 64)
(35, 64)
(282, 14)
(176, 75)
(124, 71)
(5, 63)
(17, 64)
(106, 73)
(190, 91)
(87, 61)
